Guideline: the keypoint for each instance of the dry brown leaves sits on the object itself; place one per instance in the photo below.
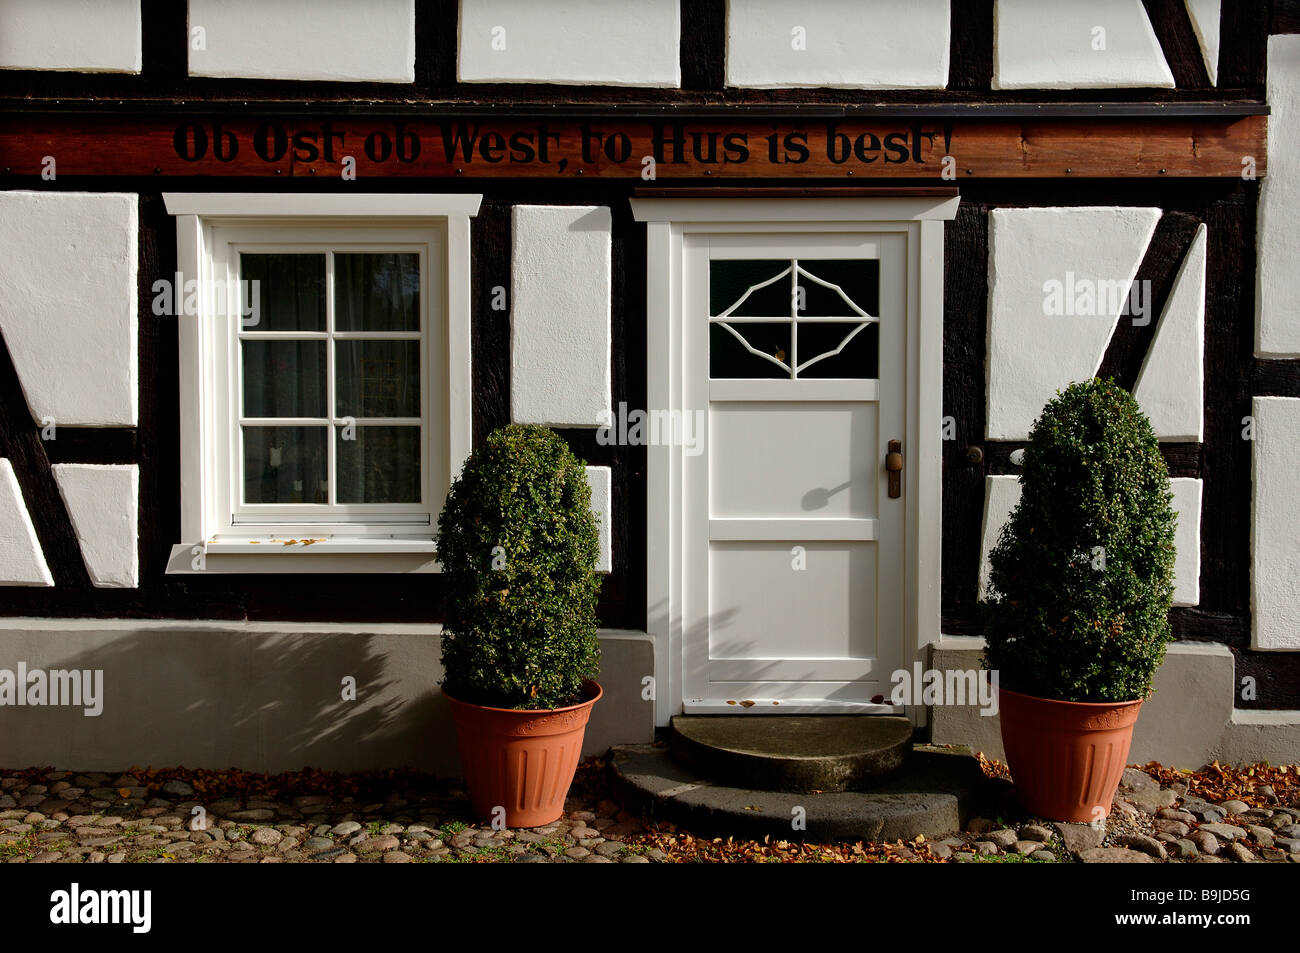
(1220, 782)
(684, 848)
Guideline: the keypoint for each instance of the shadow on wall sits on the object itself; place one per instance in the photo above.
(255, 700)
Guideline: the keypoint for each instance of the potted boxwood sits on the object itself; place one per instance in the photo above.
(1077, 618)
(518, 544)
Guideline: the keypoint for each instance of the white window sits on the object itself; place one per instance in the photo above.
(325, 378)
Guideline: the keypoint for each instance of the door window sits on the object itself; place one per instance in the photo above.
(790, 318)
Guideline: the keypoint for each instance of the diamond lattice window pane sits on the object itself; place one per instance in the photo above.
(757, 288)
(729, 356)
(834, 349)
(839, 287)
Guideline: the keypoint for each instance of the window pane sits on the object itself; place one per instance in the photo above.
(377, 378)
(857, 278)
(859, 358)
(285, 465)
(284, 378)
(729, 281)
(378, 464)
(377, 292)
(728, 357)
(289, 295)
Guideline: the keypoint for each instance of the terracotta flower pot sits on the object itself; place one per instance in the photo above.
(523, 761)
(1066, 758)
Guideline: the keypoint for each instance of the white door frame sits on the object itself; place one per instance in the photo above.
(920, 218)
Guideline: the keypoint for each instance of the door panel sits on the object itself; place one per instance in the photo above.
(763, 608)
(796, 349)
(792, 459)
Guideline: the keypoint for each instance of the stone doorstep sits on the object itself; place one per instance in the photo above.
(795, 753)
(931, 797)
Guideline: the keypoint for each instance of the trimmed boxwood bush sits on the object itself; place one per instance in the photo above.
(520, 628)
(1082, 574)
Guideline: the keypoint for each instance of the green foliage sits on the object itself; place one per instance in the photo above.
(520, 627)
(1082, 574)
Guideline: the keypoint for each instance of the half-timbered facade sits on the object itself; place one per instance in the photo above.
(794, 280)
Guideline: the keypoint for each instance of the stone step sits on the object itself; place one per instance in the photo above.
(793, 752)
(932, 796)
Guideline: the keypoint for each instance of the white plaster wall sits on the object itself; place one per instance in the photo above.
(68, 303)
(574, 42)
(1171, 383)
(1049, 44)
(560, 315)
(878, 44)
(103, 504)
(602, 504)
(1032, 354)
(1002, 495)
(337, 40)
(1275, 524)
(22, 563)
(92, 36)
(1187, 540)
(1277, 293)
(1204, 15)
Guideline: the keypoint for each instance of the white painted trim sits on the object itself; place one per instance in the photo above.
(195, 559)
(795, 706)
(460, 389)
(233, 545)
(1267, 718)
(284, 204)
(925, 425)
(811, 213)
(208, 540)
(668, 222)
(195, 400)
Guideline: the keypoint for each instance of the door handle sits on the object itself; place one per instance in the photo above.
(894, 467)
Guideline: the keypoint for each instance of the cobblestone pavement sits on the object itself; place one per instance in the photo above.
(213, 817)
(98, 818)
(1148, 823)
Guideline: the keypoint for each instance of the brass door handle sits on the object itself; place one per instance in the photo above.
(894, 467)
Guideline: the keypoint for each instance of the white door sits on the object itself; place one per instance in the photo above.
(795, 348)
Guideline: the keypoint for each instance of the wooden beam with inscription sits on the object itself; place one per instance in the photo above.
(643, 149)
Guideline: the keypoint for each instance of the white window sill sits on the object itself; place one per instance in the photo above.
(281, 554)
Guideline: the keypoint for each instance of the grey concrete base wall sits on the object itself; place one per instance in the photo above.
(269, 697)
(1188, 722)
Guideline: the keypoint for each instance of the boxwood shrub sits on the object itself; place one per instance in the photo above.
(518, 545)
(1082, 573)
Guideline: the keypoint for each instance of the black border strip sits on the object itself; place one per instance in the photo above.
(1172, 25)
(970, 46)
(1130, 342)
(560, 109)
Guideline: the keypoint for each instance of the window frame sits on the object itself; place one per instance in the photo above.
(296, 519)
(211, 228)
